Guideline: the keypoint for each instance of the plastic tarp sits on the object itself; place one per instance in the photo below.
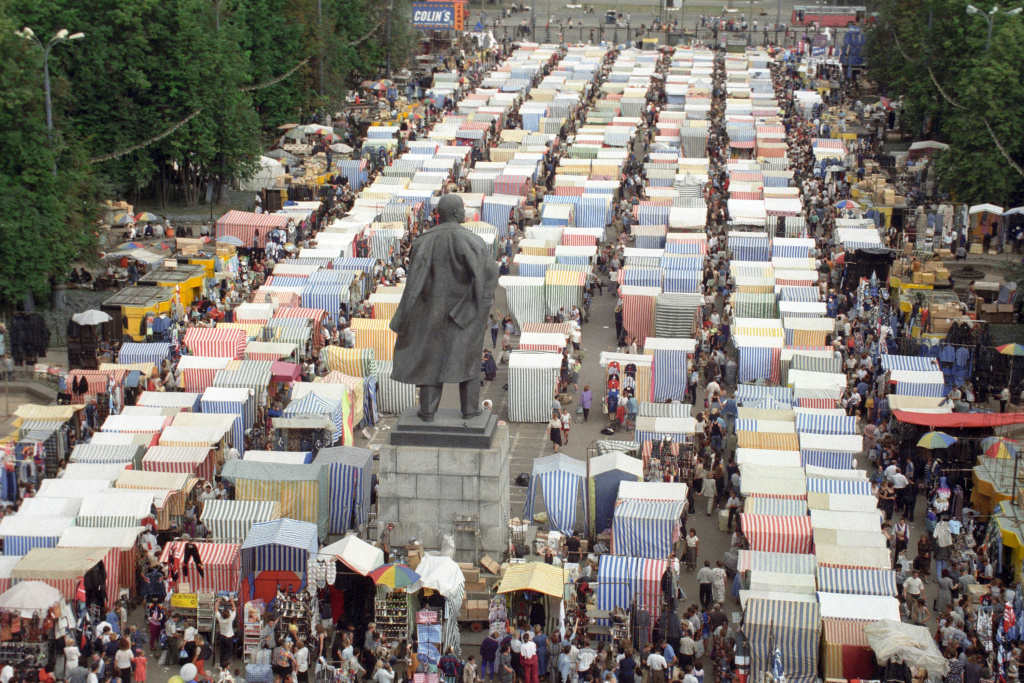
(354, 553)
(839, 605)
(912, 644)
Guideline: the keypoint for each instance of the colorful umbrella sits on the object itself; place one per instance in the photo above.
(848, 204)
(936, 440)
(382, 84)
(122, 219)
(1011, 350)
(1000, 447)
(131, 245)
(147, 217)
(331, 137)
(394, 576)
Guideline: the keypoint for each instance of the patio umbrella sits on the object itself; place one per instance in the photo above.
(91, 317)
(1000, 447)
(936, 440)
(287, 126)
(382, 84)
(296, 133)
(394, 576)
(230, 239)
(848, 204)
(341, 148)
(331, 137)
(122, 218)
(1011, 349)
(30, 596)
(131, 245)
(147, 217)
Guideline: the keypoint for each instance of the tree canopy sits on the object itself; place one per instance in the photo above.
(932, 54)
(202, 76)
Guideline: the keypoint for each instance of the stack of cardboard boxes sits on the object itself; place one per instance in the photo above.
(475, 606)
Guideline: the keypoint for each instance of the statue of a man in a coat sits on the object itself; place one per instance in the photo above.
(441, 319)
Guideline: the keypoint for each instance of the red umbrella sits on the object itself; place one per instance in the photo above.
(841, 259)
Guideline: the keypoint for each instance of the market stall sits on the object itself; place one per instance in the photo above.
(560, 479)
(229, 521)
(350, 475)
(646, 528)
(606, 473)
(276, 553)
(534, 588)
(301, 490)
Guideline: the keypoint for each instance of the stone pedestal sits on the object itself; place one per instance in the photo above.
(423, 488)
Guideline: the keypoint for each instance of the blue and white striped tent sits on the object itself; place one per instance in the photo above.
(912, 363)
(315, 404)
(392, 397)
(668, 375)
(802, 361)
(633, 276)
(350, 472)
(779, 507)
(279, 545)
(857, 581)
(933, 389)
(592, 212)
(646, 528)
(751, 248)
(324, 296)
(495, 210)
(792, 627)
(135, 352)
(560, 478)
(751, 392)
(826, 424)
(833, 460)
(782, 563)
(802, 294)
(847, 487)
(682, 281)
(607, 471)
(228, 401)
(250, 374)
(621, 580)
(21, 533)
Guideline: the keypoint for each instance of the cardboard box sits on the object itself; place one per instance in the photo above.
(918, 275)
(471, 575)
(476, 586)
(890, 197)
(414, 558)
(927, 278)
(941, 274)
(490, 565)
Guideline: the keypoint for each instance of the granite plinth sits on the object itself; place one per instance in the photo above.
(449, 429)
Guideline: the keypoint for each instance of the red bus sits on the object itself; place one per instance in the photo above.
(805, 15)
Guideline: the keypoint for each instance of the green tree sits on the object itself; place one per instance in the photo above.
(932, 54)
(45, 219)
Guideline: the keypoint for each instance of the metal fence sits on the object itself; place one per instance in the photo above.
(544, 32)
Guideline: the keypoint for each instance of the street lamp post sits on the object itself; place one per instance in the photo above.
(59, 37)
(990, 18)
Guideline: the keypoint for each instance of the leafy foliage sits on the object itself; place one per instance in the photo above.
(143, 67)
(932, 54)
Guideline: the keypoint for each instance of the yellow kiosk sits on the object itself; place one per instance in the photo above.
(133, 304)
(186, 279)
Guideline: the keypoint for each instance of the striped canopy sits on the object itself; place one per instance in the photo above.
(134, 352)
(646, 528)
(350, 473)
(794, 628)
(785, 563)
(560, 478)
(230, 520)
(216, 342)
(857, 581)
(778, 534)
(280, 545)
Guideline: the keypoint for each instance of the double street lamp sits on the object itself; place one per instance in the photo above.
(990, 18)
(59, 37)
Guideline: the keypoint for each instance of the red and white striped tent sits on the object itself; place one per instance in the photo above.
(63, 568)
(770, 533)
(196, 372)
(216, 342)
(222, 565)
(122, 554)
(248, 226)
(194, 460)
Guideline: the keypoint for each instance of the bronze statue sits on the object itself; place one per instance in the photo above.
(441, 319)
